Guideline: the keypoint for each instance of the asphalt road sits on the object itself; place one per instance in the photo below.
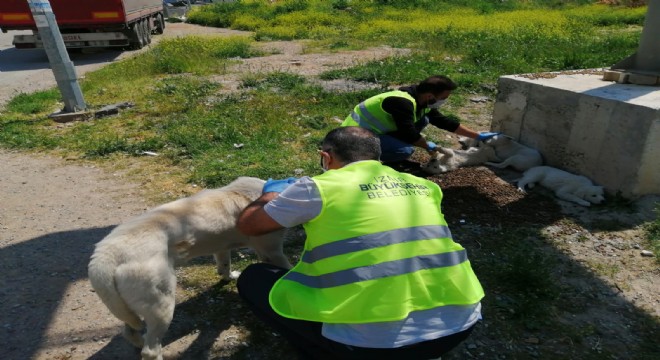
(25, 71)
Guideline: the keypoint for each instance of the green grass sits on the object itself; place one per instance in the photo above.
(272, 126)
(39, 102)
(276, 117)
(653, 234)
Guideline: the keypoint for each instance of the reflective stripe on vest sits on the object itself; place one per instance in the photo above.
(381, 270)
(370, 241)
(367, 120)
(378, 120)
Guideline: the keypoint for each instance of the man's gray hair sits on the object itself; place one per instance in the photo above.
(352, 143)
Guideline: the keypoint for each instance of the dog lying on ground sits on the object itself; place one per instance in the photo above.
(514, 154)
(448, 159)
(566, 186)
(467, 142)
(132, 268)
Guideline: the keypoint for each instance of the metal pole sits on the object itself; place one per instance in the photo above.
(63, 69)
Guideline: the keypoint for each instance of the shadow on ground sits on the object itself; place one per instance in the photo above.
(540, 303)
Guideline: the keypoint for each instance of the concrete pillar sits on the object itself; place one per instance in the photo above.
(606, 131)
(643, 67)
(648, 54)
(63, 68)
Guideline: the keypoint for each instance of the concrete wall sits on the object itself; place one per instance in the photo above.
(605, 131)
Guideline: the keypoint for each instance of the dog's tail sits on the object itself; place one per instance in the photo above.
(101, 271)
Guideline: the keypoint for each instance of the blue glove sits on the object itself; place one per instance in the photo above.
(432, 146)
(486, 135)
(277, 185)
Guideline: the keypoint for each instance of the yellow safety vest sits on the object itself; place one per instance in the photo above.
(369, 114)
(379, 249)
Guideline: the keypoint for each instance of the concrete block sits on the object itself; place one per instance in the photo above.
(65, 117)
(606, 131)
(611, 75)
(643, 79)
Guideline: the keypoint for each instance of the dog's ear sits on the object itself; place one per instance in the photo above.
(467, 142)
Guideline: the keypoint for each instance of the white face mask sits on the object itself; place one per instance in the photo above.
(323, 165)
(437, 104)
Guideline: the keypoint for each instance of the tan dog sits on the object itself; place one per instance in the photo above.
(576, 188)
(132, 269)
(447, 159)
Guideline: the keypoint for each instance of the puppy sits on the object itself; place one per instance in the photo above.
(467, 142)
(447, 159)
(514, 154)
(566, 186)
(132, 269)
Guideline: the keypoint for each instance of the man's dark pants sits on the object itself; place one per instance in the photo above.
(254, 285)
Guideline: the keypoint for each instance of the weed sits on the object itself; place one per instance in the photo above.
(653, 234)
(35, 103)
(27, 134)
(582, 238)
(607, 270)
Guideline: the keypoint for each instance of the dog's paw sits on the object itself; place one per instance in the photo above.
(181, 248)
(133, 336)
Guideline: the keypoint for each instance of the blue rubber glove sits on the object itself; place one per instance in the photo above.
(486, 135)
(277, 185)
(432, 146)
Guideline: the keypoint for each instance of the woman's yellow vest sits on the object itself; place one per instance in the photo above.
(379, 249)
(369, 114)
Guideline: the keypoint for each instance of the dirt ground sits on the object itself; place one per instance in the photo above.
(54, 211)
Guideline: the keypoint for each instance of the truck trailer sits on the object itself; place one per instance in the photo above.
(89, 23)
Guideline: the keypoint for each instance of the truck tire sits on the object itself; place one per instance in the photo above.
(143, 36)
(159, 24)
(146, 31)
(136, 38)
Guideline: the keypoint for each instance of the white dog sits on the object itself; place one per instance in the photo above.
(567, 186)
(132, 269)
(448, 159)
(467, 142)
(514, 154)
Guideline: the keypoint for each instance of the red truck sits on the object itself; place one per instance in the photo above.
(89, 23)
